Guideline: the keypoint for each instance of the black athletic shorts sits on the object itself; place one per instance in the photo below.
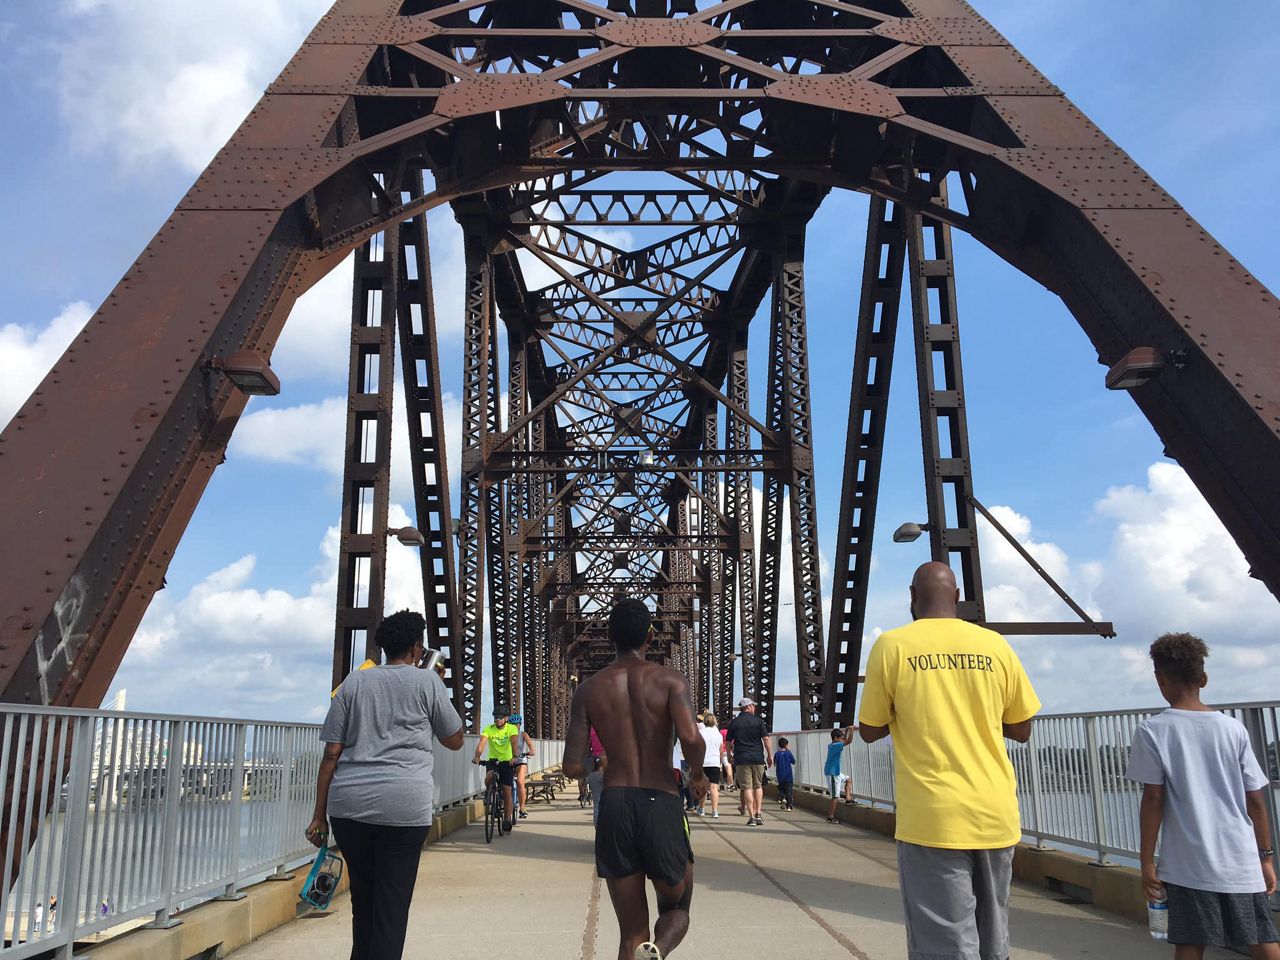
(506, 771)
(642, 831)
(712, 773)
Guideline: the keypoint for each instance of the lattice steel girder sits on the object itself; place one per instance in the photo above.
(366, 464)
(477, 506)
(790, 414)
(420, 372)
(948, 480)
(877, 330)
(132, 420)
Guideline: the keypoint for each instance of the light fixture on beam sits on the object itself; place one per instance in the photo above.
(249, 372)
(409, 536)
(1135, 368)
(909, 532)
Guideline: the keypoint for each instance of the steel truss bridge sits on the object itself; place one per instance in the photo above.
(634, 179)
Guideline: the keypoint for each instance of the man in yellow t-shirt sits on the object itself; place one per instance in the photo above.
(950, 692)
(499, 738)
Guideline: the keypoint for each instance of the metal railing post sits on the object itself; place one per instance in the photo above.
(1255, 722)
(77, 822)
(236, 786)
(286, 787)
(174, 759)
(1037, 794)
(871, 774)
(1095, 790)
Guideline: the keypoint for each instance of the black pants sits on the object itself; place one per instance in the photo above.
(382, 864)
(784, 792)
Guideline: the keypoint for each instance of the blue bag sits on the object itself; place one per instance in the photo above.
(322, 882)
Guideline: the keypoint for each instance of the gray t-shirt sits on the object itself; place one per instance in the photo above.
(386, 719)
(1206, 764)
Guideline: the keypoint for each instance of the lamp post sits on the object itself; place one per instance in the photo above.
(249, 372)
(409, 536)
(909, 532)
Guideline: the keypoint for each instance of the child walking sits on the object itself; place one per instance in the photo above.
(837, 782)
(1203, 795)
(784, 763)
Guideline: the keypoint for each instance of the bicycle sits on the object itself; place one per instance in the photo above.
(495, 807)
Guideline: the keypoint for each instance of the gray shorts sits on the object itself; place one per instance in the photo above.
(956, 902)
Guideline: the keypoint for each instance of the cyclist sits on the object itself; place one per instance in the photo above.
(522, 754)
(499, 738)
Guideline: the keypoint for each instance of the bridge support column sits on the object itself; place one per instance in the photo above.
(477, 370)
(789, 418)
(424, 413)
(864, 453)
(366, 470)
(944, 426)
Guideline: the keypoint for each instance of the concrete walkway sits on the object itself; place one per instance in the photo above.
(795, 888)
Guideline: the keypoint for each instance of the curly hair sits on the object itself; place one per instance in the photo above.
(629, 624)
(400, 631)
(1180, 657)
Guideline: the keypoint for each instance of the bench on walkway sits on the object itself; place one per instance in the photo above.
(544, 788)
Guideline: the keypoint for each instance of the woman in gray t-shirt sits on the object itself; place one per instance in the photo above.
(375, 782)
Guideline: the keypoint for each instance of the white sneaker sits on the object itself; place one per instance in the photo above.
(716, 815)
(648, 951)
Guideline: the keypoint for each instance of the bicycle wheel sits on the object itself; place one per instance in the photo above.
(490, 813)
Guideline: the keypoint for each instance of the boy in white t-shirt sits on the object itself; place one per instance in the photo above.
(1204, 795)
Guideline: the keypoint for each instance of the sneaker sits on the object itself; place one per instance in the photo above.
(697, 812)
(648, 951)
(832, 820)
(507, 825)
(715, 815)
(523, 815)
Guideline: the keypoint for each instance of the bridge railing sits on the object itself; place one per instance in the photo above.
(115, 818)
(1072, 791)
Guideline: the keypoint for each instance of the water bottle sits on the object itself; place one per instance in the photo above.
(1158, 919)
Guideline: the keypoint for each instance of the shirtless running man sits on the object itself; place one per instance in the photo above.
(638, 708)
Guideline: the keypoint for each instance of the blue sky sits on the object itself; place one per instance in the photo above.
(120, 103)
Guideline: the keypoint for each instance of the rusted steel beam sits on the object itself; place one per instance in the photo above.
(106, 463)
(877, 330)
(366, 463)
(424, 411)
(944, 422)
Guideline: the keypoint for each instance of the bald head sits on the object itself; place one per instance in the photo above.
(933, 591)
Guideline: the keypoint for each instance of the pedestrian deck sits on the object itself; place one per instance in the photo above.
(797, 887)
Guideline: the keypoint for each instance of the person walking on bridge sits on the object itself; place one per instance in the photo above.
(375, 781)
(1204, 795)
(500, 739)
(950, 692)
(638, 709)
(748, 739)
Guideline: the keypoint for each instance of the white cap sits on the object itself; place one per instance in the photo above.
(746, 702)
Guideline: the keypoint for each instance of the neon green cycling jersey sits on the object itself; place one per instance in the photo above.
(501, 740)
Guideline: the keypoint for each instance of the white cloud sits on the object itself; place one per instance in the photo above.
(1170, 566)
(1013, 590)
(310, 434)
(156, 81)
(1170, 550)
(260, 652)
(27, 354)
(316, 341)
